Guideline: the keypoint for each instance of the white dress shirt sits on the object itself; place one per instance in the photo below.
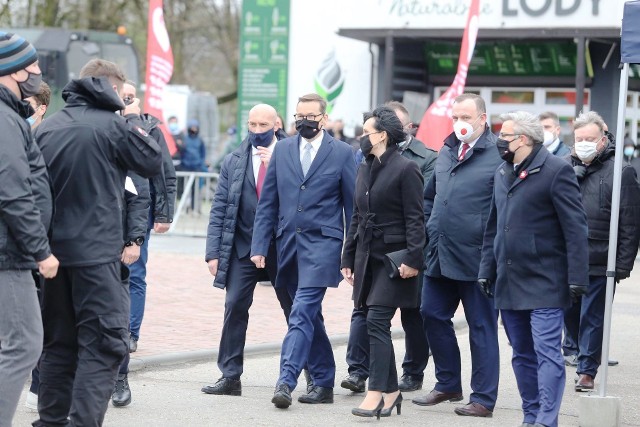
(471, 144)
(315, 145)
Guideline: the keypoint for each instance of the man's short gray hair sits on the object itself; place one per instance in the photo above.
(525, 124)
(590, 117)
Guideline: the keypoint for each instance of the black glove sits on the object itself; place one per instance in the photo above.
(485, 287)
(577, 291)
(622, 274)
(580, 171)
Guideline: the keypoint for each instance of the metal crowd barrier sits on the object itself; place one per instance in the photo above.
(195, 192)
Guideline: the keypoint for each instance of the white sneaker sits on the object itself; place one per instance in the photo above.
(32, 401)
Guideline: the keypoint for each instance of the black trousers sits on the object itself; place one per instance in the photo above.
(416, 346)
(242, 276)
(86, 321)
(382, 368)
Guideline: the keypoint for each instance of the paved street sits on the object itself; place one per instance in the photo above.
(183, 322)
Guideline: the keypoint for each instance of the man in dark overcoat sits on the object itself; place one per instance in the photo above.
(535, 251)
(307, 195)
(457, 201)
(229, 236)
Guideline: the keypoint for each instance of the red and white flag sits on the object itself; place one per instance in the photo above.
(159, 67)
(436, 123)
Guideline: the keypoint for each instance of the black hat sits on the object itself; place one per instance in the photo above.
(16, 53)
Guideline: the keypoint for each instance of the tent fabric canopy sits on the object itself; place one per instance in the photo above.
(630, 43)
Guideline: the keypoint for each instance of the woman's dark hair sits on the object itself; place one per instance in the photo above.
(387, 120)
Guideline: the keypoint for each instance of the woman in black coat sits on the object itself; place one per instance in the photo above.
(387, 217)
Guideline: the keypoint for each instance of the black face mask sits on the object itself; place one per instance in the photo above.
(308, 129)
(365, 145)
(31, 86)
(503, 149)
(263, 139)
(193, 132)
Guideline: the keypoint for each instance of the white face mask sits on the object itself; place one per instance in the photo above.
(549, 137)
(585, 150)
(464, 130)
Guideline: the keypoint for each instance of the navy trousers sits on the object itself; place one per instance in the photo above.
(242, 276)
(440, 299)
(535, 337)
(416, 353)
(306, 342)
(592, 326)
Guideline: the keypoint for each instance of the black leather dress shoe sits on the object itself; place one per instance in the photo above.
(318, 395)
(434, 397)
(282, 396)
(410, 383)
(121, 393)
(353, 382)
(224, 386)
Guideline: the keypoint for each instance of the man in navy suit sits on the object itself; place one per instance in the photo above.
(457, 201)
(307, 194)
(535, 251)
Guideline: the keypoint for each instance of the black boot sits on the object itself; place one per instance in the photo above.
(121, 393)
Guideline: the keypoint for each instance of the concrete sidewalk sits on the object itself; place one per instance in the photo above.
(182, 326)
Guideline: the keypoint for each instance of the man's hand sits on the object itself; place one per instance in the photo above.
(213, 267)
(130, 254)
(407, 272)
(161, 227)
(258, 260)
(622, 274)
(348, 275)
(48, 267)
(133, 108)
(485, 287)
(265, 155)
(576, 291)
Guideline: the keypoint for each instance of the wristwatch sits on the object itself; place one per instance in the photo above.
(139, 241)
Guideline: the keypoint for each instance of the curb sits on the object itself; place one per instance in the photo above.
(141, 363)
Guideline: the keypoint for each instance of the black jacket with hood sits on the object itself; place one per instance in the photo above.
(88, 150)
(25, 194)
(162, 185)
(596, 188)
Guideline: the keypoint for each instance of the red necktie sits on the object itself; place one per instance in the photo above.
(261, 174)
(465, 148)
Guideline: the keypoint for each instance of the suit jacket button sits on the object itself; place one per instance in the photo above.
(506, 228)
(303, 187)
(444, 203)
(453, 174)
(298, 230)
(510, 195)
(299, 208)
(508, 262)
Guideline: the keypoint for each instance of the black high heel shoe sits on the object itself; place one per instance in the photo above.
(369, 412)
(396, 404)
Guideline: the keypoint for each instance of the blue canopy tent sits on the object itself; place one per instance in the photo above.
(630, 54)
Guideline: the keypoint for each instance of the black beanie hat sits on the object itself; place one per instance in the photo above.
(15, 53)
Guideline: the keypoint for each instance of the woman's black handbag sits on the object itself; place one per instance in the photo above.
(393, 261)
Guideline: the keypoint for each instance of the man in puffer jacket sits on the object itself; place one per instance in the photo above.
(593, 162)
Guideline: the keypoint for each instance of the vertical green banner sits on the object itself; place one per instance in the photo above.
(264, 54)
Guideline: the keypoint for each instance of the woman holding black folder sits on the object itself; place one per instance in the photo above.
(383, 253)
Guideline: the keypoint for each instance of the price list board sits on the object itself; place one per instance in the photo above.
(264, 54)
